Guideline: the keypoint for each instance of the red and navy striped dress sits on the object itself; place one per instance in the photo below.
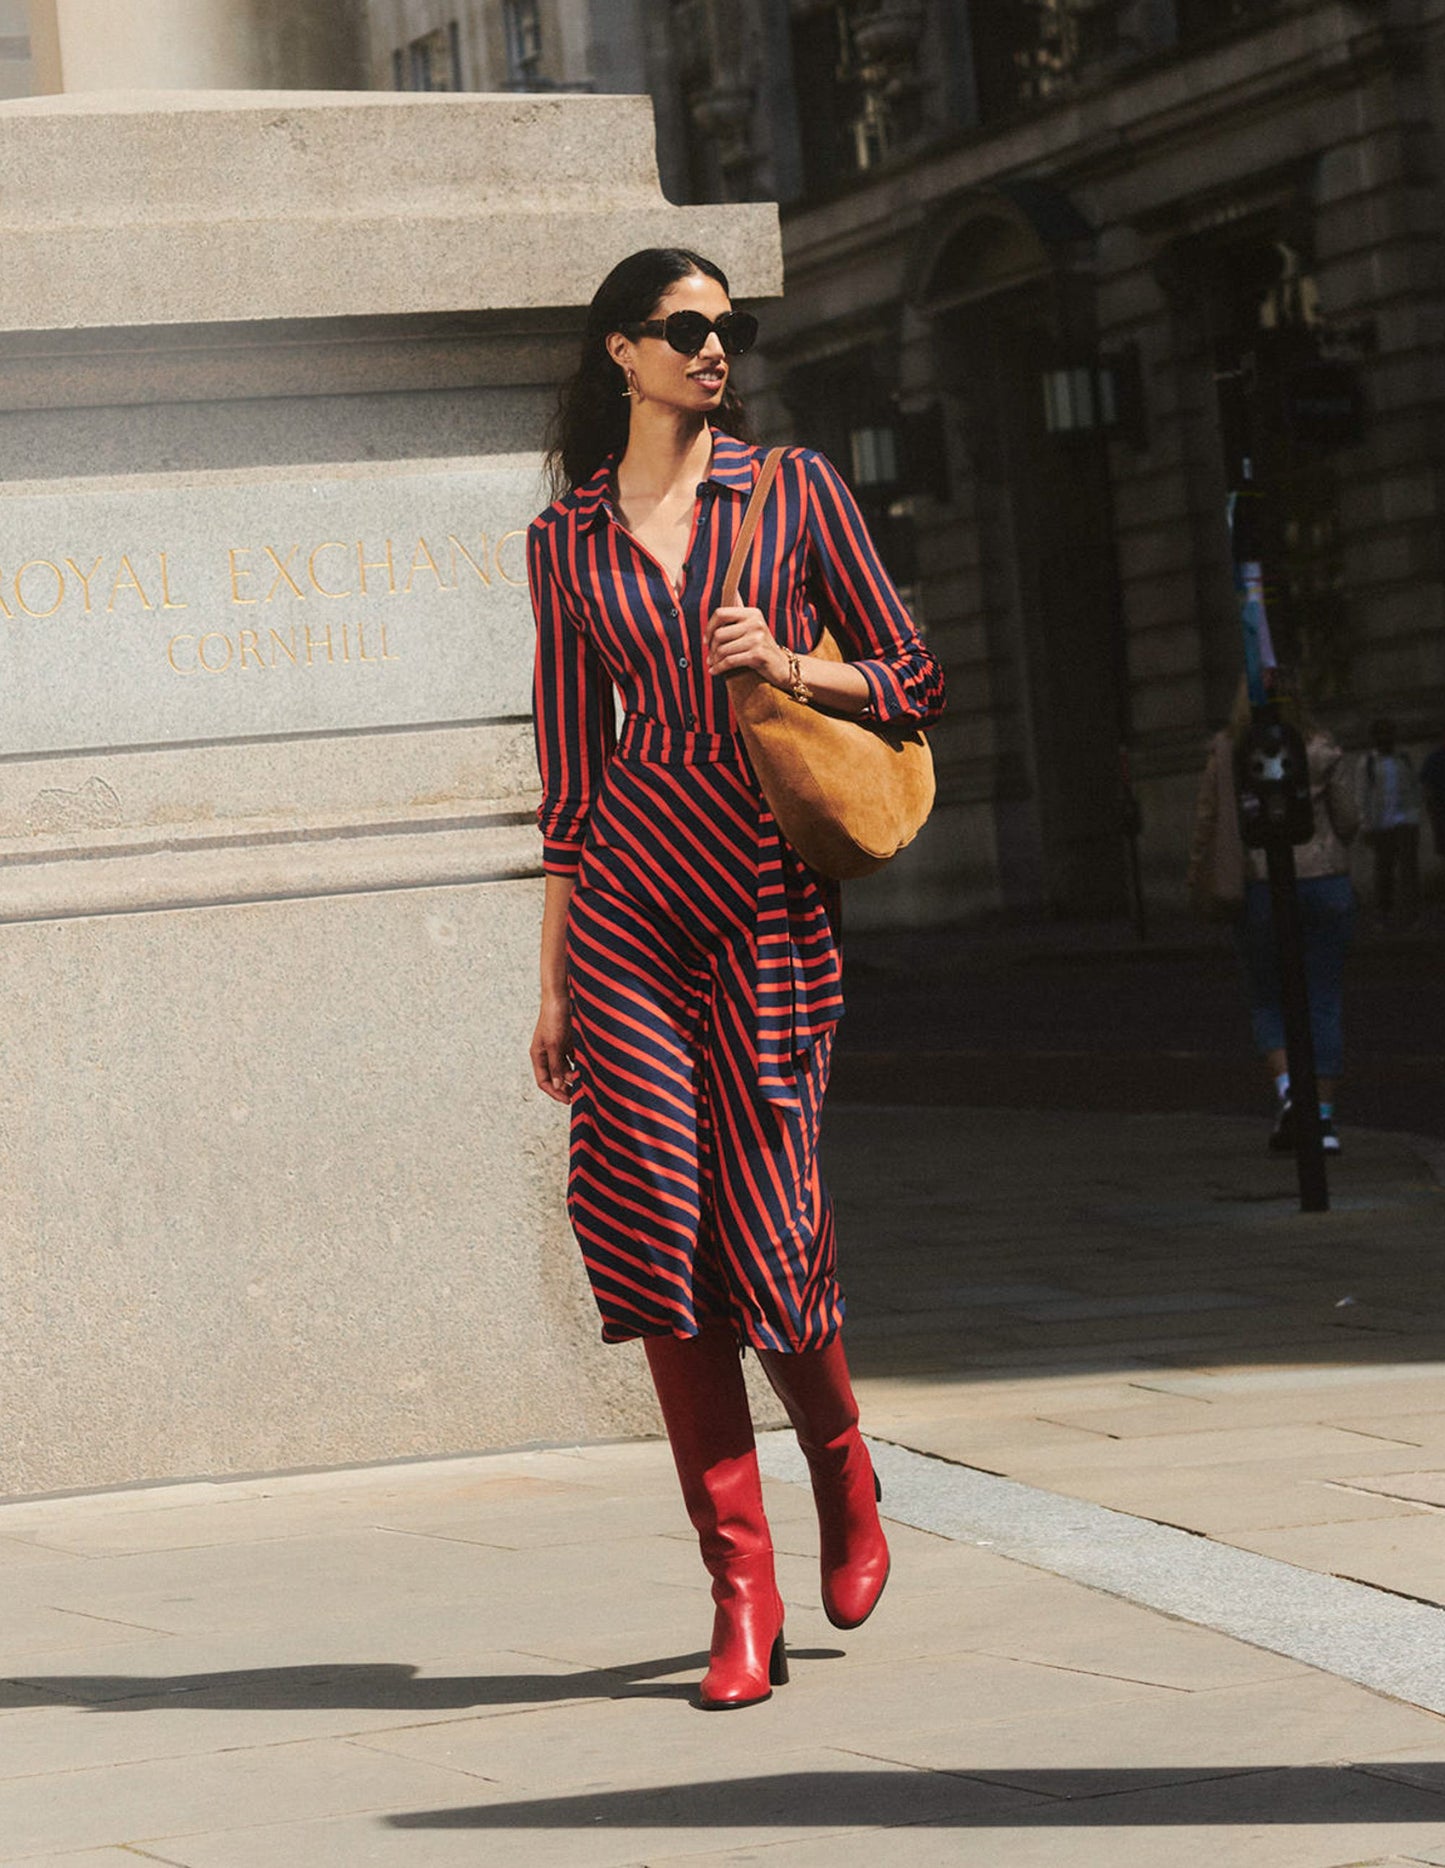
(702, 954)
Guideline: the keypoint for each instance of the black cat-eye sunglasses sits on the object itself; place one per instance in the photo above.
(687, 331)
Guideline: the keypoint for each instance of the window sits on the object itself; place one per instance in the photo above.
(524, 44)
(434, 62)
(1028, 51)
(844, 406)
(844, 126)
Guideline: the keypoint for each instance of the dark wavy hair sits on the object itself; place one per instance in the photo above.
(592, 410)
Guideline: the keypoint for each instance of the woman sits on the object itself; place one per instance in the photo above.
(690, 965)
(1221, 871)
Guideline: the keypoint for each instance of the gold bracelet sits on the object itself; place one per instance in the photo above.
(797, 686)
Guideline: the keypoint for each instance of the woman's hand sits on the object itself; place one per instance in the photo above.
(738, 637)
(553, 1064)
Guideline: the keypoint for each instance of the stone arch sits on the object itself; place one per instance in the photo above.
(994, 240)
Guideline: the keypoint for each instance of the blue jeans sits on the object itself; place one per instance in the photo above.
(1327, 918)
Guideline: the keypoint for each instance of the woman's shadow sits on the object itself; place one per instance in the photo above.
(382, 1686)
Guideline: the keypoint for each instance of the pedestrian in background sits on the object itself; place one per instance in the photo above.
(1390, 812)
(1228, 881)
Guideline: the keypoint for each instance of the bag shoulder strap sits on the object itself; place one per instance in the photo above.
(748, 530)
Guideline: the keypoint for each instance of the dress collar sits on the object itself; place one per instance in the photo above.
(734, 466)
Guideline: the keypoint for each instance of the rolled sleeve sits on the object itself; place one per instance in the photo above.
(862, 606)
(574, 718)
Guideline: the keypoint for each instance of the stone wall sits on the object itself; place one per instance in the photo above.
(280, 1188)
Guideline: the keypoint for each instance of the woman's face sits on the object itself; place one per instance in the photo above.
(657, 373)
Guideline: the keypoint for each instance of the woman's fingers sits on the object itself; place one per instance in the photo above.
(741, 638)
(552, 1066)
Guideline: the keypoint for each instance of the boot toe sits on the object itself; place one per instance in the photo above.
(850, 1597)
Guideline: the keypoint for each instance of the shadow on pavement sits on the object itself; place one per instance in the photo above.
(1060, 1016)
(388, 1686)
(986, 1244)
(957, 1798)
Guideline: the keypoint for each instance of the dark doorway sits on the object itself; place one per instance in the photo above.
(1046, 527)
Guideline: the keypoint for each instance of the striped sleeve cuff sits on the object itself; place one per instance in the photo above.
(561, 856)
(886, 698)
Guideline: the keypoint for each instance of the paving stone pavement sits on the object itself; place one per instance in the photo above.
(489, 1659)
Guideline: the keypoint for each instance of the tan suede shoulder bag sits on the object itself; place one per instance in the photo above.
(847, 795)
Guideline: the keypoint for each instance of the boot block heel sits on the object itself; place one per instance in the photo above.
(778, 1662)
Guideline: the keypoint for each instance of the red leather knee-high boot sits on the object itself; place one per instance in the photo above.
(813, 1386)
(699, 1382)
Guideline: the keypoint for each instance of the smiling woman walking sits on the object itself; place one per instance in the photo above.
(690, 963)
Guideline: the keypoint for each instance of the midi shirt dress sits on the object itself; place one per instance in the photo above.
(702, 953)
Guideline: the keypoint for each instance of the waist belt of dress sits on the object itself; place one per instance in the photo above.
(780, 992)
(653, 742)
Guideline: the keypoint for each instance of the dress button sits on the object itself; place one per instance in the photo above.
(691, 719)
(673, 611)
(682, 661)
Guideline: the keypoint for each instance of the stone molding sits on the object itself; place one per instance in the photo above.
(213, 207)
(143, 869)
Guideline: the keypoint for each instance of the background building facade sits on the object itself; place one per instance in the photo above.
(508, 45)
(17, 76)
(1053, 268)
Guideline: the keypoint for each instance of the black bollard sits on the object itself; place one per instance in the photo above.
(1309, 1145)
(1275, 815)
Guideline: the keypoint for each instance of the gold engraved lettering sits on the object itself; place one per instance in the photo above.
(345, 642)
(171, 655)
(238, 571)
(250, 646)
(215, 635)
(167, 601)
(365, 564)
(422, 560)
(361, 654)
(502, 572)
(126, 579)
(85, 577)
(458, 547)
(283, 575)
(9, 613)
(386, 654)
(316, 583)
(56, 573)
(313, 643)
(287, 648)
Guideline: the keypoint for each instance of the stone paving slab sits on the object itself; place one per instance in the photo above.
(1223, 1500)
(1404, 1554)
(1426, 1488)
(150, 1801)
